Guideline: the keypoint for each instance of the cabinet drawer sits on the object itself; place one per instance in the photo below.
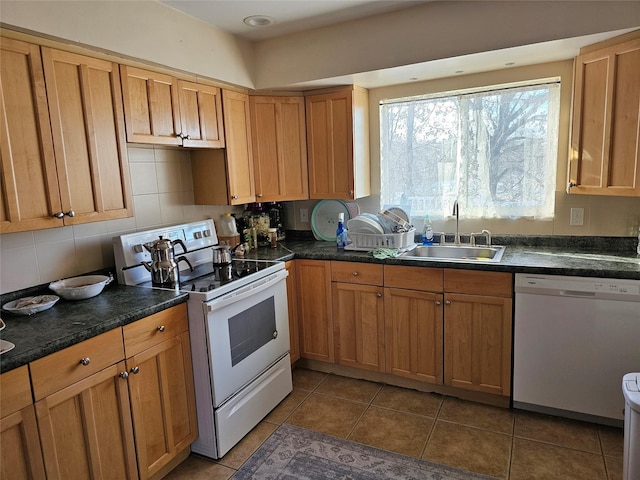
(154, 329)
(63, 368)
(355, 272)
(474, 282)
(414, 278)
(15, 390)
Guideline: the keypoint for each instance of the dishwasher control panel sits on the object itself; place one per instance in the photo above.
(585, 287)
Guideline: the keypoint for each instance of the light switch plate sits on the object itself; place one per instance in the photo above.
(577, 217)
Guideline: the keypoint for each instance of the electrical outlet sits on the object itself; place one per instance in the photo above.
(577, 217)
(304, 215)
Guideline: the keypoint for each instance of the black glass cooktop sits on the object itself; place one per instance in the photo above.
(207, 277)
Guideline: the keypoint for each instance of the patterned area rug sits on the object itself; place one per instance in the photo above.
(293, 453)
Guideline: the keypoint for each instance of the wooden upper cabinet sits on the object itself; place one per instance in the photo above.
(29, 196)
(200, 115)
(338, 143)
(151, 107)
(605, 133)
(162, 110)
(85, 106)
(279, 148)
(225, 177)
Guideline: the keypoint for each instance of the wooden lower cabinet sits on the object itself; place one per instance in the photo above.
(161, 389)
(19, 437)
(413, 338)
(292, 303)
(477, 343)
(313, 281)
(358, 323)
(85, 428)
(478, 330)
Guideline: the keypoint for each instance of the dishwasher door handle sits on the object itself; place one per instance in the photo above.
(576, 293)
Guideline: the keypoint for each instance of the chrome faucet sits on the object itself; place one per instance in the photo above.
(456, 212)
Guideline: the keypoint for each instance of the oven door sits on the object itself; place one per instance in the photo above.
(248, 331)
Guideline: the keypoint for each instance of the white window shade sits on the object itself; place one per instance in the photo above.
(495, 151)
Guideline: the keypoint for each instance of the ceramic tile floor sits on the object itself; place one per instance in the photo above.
(506, 444)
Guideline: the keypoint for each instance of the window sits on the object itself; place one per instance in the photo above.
(495, 151)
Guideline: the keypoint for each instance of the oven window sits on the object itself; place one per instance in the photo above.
(251, 329)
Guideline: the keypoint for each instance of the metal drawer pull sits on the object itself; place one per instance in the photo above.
(160, 328)
(124, 375)
(437, 303)
(135, 370)
(378, 295)
(355, 274)
(447, 302)
(58, 215)
(85, 361)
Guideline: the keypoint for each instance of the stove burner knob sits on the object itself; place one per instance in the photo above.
(138, 248)
(212, 286)
(203, 289)
(207, 233)
(197, 235)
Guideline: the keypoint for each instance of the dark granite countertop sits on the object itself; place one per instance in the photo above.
(70, 322)
(607, 258)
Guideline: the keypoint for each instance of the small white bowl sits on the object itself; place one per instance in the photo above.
(30, 305)
(80, 288)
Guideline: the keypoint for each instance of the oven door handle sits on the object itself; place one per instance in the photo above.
(246, 291)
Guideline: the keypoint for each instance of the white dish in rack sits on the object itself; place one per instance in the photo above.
(365, 223)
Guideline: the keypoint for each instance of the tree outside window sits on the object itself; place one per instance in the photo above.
(495, 151)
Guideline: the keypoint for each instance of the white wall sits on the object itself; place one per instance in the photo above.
(145, 30)
(431, 31)
(162, 188)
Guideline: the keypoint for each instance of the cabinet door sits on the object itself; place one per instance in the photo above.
(21, 454)
(85, 106)
(239, 162)
(162, 403)
(29, 197)
(338, 143)
(477, 343)
(200, 115)
(279, 148)
(292, 303)
(606, 115)
(314, 309)
(85, 429)
(151, 107)
(358, 322)
(413, 334)
(330, 145)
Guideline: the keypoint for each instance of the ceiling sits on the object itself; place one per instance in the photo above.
(291, 16)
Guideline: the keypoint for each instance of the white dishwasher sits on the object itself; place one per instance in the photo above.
(574, 340)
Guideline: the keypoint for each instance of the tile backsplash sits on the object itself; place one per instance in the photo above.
(162, 187)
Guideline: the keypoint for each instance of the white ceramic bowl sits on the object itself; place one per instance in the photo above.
(80, 288)
(30, 305)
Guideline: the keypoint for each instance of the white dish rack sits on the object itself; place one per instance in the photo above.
(370, 241)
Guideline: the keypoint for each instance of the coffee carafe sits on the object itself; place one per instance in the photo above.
(164, 266)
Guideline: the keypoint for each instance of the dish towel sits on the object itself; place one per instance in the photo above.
(382, 253)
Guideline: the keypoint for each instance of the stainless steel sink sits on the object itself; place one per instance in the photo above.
(465, 253)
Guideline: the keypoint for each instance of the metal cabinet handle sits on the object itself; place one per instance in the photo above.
(351, 193)
(378, 295)
(85, 361)
(258, 195)
(124, 375)
(234, 197)
(160, 328)
(355, 274)
(70, 213)
(438, 303)
(135, 370)
(275, 334)
(572, 184)
(58, 215)
(447, 302)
